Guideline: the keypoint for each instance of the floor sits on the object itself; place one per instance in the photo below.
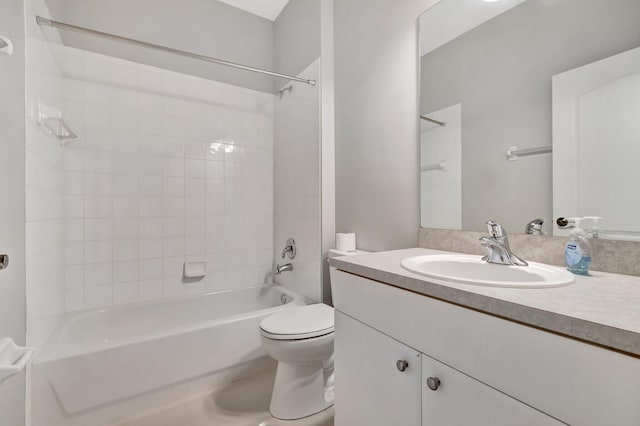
(242, 403)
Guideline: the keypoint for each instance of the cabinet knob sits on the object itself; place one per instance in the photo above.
(402, 365)
(433, 383)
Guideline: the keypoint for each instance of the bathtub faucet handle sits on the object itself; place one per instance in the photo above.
(289, 249)
(282, 268)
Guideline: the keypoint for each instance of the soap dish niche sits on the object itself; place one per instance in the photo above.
(50, 121)
(13, 358)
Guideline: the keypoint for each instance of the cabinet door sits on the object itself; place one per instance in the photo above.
(457, 399)
(370, 387)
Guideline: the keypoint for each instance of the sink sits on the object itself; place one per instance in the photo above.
(468, 269)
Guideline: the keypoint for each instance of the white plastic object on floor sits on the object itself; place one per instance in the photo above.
(195, 269)
(13, 358)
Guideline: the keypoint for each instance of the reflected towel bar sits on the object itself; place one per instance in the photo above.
(441, 166)
(513, 153)
(439, 123)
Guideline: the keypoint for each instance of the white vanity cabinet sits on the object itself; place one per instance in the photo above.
(450, 397)
(491, 371)
(379, 377)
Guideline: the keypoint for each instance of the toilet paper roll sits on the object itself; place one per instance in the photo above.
(346, 241)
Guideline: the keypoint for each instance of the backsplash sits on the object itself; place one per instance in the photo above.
(608, 255)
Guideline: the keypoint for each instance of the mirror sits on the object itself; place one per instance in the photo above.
(530, 110)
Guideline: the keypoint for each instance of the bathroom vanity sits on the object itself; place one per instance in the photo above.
(409, 351)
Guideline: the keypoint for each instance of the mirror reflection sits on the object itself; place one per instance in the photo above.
(530, 111)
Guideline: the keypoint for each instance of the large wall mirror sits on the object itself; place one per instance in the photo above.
(530, 109)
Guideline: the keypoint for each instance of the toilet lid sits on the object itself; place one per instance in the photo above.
(299, 323)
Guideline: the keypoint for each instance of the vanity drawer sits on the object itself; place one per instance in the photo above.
(578, 383)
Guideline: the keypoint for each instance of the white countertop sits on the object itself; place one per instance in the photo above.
(602, 308)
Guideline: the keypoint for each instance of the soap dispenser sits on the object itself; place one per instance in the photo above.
(577, 254)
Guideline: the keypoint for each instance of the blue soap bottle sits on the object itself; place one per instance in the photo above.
(577, 253)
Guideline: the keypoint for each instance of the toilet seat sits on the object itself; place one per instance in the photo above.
(304, 322)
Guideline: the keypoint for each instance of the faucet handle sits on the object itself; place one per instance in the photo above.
(495, 229)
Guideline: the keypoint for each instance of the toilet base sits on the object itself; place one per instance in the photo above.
(301, 390)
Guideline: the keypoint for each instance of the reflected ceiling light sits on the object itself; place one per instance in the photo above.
(490, 1)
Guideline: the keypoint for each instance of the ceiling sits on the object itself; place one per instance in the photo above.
(269, 9)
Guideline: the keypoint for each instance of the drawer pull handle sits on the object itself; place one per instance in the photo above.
(433, 383)
(402, 365)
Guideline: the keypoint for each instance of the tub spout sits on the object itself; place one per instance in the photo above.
(282, 268)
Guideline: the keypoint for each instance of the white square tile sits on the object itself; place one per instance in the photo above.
(173, 126)
(96, 185)
(149, 269)
(214, 188)
(173, 246)
(73, 206)
(74, 183)
(125, 206)
(124, 119)
(150, 186)
(125, 163)
(150, 206)
(173, 206)
(96, 229)
(194, 207)
(98, 297)
(150, 165)
(215, 169)
(74, 253)
(194, 168)
(74, 230)
(150, 227)
(173, 147)
(173, 167)
(124, 250)
(125, 75)
(97, 67)
(195, 245)
(125, 185)
(150, 247)
(150, 123)
(150, 103)
(125, 271)
(74, 276)
(173, 186)
(150, 289)
(194, 149)
(124, 141)
(125, 228)
(98, 274)
(194, 187)
(74, 299)
(97, 94)
(125, 293)
(98, 251)
(173, 226)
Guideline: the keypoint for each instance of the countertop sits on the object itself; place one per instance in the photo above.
(602, 308)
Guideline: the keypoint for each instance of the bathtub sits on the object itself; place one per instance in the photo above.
(102, 356)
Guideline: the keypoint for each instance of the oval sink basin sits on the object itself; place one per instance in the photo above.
(468, 269)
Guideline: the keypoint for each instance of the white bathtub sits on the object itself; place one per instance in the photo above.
(102, 356)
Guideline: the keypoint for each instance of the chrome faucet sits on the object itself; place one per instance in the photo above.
(282, 268)
(497, 244)
(534, 227)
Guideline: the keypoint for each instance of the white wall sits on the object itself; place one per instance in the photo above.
(208, 27)
(296, 37)
(297, 184)
(168, 168)
(12, 143)
(376, 90)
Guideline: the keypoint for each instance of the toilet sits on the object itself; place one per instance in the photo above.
(301, 340)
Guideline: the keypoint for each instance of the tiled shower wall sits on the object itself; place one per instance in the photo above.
(297, 183)
(168, 168)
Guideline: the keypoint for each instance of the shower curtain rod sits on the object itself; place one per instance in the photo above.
(61, 25)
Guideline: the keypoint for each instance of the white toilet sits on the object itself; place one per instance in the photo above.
(301, 340)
